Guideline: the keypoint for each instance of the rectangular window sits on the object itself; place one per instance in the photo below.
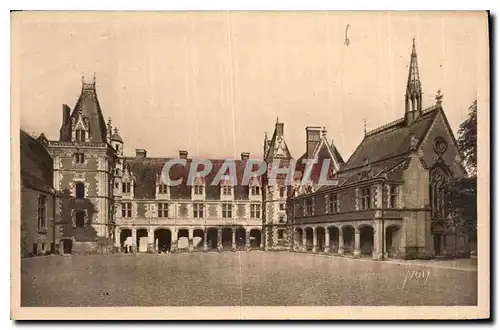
(80, 218)
(125, 187)
(333, 203)
(42, 212)
(282, 206)
(255, 211)
(308, 206)
(163, 210)
(282, 219)
(126, 210)
(226, 190)
(80, 190)
(163, 189)
(79, 158)
(80, 135)
(197, 210)
(117, 185)
(255, 191)
(227, 211)
(282, 191)
(393, 196)
(281, 234)
(366, 198)
(198, 190)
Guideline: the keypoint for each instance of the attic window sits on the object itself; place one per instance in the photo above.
(80, 135)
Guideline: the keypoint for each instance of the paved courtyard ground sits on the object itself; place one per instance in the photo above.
(243, 278)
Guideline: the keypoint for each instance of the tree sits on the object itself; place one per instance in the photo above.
(467, 139)
(461, 193)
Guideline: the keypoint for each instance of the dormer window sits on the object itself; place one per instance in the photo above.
(226, 190)
(163, 189)
(126, 187)
(198, 189)
(255, 190)
(80, 135)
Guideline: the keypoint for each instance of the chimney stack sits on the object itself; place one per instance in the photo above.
(140, 153)
(66, 113)
(313, 137)
(183, 154)
(245, 156)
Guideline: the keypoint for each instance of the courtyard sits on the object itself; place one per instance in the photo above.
(253, 278)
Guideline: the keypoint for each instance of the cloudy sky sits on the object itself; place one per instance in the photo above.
(213, 83)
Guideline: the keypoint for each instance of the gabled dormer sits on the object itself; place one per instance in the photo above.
(80, 128)
(255, 188)
(226, 188)
(127, 183)
(162, 188)
(198, 191)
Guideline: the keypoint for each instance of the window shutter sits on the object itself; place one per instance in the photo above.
(373, 192)
(313, 206)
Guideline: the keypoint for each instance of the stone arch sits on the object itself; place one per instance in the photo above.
(141, 239)
(366, 239)
(227, 238)
(182, 238)
(125, 233)
(240, 238)
(66, 246)
(212, 238)
(393, 241)
(255, 238)
(348, 232)
(163, 240)
(320, 238)
(309, 234)
(334, 231)
(198, 238)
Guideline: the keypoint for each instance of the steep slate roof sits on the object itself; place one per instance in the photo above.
(36, 163)
(390, 141)
(89, 106)
(146, 170)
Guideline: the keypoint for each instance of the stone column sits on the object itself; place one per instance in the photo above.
(117, 237)
(173, 248)
(357, 251)
(327, 241)
(134, 240)
(315, 240)
(304, 240)
(205, 246)
(151, 240)
(190, 240)
(233, 239)
(247, 240)
(219, 239)
(341, 242)
(378, 243)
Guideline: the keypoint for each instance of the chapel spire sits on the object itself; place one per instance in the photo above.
(413, 97)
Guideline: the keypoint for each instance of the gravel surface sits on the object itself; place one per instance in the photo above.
(239, 278)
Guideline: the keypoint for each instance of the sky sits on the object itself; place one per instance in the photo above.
(213, 83)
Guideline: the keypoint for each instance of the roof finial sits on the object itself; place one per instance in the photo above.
(439, 97)
(277, 120)
(323, 131)
(364, 122)
(94, 78)
(116, 130)
(265, 136)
